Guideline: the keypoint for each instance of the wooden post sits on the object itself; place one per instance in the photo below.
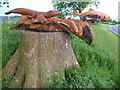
(8, 20)
(40, 56)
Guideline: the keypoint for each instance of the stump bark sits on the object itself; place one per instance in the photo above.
(40, 56)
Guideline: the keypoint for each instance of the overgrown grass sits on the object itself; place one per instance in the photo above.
(98, 61)
(10, 42)
(97, 65)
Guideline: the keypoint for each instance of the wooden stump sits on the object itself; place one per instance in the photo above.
(40, 56)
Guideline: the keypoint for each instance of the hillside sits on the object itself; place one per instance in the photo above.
(106, 40)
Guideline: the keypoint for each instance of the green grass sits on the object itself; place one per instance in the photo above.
(106, 40)
(98, 61)
(10, 42)
(105, 26)
(0, 43)
(118, 26)
(0, 51)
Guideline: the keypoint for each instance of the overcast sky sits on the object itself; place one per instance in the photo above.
(109, 7)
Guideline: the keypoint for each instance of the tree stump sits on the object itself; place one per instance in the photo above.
(40, 56)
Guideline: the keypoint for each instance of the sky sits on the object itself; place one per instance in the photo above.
(109, 7)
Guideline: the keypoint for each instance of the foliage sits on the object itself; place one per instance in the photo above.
(10, 41)
(5, 2)
(6, 81)
(99, 69)
(67, 8)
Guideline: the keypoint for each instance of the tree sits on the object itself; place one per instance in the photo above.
(67, 8)
(5, 2)
(40, 57)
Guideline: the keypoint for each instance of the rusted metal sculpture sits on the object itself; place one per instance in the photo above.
(40, 56)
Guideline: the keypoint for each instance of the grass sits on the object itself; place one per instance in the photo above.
(0, 43)
(118, 26)
(105, 26)
(106, 40)
(0, 51)
(10, 42)
(98, 61)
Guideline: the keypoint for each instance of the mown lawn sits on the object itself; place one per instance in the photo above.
(98, 61)
(118, 26)
(106, 40)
